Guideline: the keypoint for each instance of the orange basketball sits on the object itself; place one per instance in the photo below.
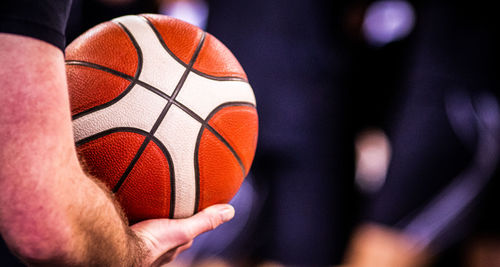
(162, 113)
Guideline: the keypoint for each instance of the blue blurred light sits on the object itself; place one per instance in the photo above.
(388, 21)
(194, 12)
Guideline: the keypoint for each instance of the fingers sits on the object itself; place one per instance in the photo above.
(206, 220)
(165, 238)
(167, 232)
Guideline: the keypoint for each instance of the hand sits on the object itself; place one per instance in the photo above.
(376, 245)
(166, 238)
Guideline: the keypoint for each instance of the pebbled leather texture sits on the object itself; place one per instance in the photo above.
(180, 37)
(146, 192)
(219, 172)
(86, 87)
(108, 156)
(108, 45)
(217, 60)
(239, 126)
(165, 178)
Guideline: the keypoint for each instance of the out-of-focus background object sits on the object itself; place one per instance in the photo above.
(192, 11)
(373, 153)
(392, 249)
(388, 21)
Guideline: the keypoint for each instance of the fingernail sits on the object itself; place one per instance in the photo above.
(227, 213)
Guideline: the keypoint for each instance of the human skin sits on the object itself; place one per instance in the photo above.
(374, 245)
(51, 212)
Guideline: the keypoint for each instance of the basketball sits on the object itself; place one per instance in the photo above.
(162, 113)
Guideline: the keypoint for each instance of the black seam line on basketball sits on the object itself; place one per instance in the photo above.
(172, 182)
(178, 87)
(114, 72)
(132, 164)
(100, 67)
(197, 170)
(231, 149)
(137, 131)
(148, 138)
(160, 117)
(115, 130)
(155, 141)
(160, 38)
(201, 120)
(162, 42)
(180, 105)
(119, 74)
(137, 49)
(111, 71)
(219, 78)
(162, 94)
(143, 84)
(219, 136)
(130, 78)
(169, 104)
(215, 132)
(204, 126)
(174, 95)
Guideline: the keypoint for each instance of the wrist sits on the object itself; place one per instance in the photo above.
(139, 254)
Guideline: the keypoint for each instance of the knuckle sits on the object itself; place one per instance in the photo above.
(213, 222)
(205, 221)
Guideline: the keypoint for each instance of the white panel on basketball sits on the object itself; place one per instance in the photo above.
(139, 108)
(159, 68)
(213, 93)
(178, 132)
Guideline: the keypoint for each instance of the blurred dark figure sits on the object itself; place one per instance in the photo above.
(320, 76)
(445, 144)
(304, 162)
(85, 14)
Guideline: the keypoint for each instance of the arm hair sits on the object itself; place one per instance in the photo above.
(51, 212)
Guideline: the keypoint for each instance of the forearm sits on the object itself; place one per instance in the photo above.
(50, 212)
(85, 231)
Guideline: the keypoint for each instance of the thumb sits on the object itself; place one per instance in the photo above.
(207, 219)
